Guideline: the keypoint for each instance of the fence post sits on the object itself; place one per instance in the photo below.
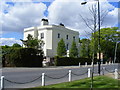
(43, 79)
(116, 73)
(85, 64)
(70, 75)
(103, 70)
(79, 64)
(89, 72)
(2, 82)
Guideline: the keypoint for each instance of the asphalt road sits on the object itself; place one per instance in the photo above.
(27, 74)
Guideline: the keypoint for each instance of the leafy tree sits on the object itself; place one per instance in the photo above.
(107, 41)
(73, 50)
(85, 48)
(61, 49)
(32, 42)
(16, 45)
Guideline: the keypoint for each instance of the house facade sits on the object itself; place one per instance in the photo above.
(51, 35)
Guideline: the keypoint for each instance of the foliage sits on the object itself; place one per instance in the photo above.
(23, 57)
(107, 41)
(32, 42)
(73, 50)
(85, 48)
(68, 61)
(16, 45)
(61, 49)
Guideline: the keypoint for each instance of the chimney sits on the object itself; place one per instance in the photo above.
(44, 22)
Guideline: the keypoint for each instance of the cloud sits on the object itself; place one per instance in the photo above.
(69, 12)
(21, 15)
(9, 41)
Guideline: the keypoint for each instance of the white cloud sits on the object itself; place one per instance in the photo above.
(69, 12)
(9, 41)
(21, 15)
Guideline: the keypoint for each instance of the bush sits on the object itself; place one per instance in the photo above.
(68, 61)
(24, 57)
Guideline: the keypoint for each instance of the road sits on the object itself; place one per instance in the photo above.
(27, 74)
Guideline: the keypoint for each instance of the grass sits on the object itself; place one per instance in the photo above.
(99, 82)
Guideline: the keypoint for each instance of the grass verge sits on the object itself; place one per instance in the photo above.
(101, 82)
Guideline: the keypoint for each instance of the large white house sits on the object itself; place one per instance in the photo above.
(51, 35)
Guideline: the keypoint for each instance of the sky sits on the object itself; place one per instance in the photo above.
(15, 15)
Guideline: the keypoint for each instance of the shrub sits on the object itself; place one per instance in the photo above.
(24, 57)
(68, 61)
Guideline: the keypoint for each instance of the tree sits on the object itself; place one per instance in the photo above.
(107, 41)
(73, 50)
(85, 48)
(33, 42)
(61, 49)
(16, 45)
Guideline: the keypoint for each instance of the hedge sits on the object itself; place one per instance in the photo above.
(69, 61)
(23, 57)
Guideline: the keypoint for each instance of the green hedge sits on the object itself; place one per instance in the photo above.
(68, 61)
(23, 57)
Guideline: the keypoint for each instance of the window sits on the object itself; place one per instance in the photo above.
(73, 37)
(67, 46)
(42, 35)
(67, 37)
(58, 35)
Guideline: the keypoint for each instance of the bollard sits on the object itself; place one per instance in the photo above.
(106, 63)
(79, 64)
(70, 75)
(103, 70)
(112, 62)
(116, 73)
(43, 79)
(109, 63)
(89, 72)
(91, 63)
(85, 64)
(2, 82)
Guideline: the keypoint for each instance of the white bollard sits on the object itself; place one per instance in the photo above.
(79, 64)
(106, 63)
(91, 63)
(116, 73)
(85, 64)
(2, 82)
(103, 71)
(43, 79)
(89, 72)
(109, 63)
(70, 75)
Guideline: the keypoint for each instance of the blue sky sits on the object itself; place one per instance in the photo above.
(16, 16)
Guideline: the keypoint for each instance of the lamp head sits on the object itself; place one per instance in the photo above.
(83, 3)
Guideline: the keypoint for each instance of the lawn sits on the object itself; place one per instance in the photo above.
(99, 82)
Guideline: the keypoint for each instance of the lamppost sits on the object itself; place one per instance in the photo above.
(99, 60)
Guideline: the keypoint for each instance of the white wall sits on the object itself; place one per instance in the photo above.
(51, 37)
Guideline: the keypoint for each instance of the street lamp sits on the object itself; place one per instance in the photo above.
(99, 60)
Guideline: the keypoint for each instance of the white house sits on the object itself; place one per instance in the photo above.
(51, 35)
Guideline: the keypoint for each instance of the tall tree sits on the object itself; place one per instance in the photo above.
(107, 41)
(33, 42)
(73, 50)
(61, 49)
(85, 48)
